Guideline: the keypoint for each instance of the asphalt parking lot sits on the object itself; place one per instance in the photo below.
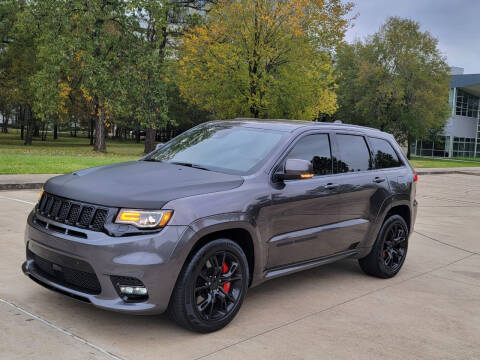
(431, 310)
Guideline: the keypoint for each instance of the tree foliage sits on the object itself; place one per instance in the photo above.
(264, 58)
(397, 80)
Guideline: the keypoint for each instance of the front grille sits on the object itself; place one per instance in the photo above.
(72, 278)
(74, 213)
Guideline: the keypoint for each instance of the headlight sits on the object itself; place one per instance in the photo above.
(144, 218)
(40, 195)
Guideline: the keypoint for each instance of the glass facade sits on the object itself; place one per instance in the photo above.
(463, 147)
(466, 104)
(426, 147)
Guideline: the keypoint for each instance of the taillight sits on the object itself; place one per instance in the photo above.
(415, 177)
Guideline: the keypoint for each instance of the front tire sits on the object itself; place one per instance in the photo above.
(389, 251)
(211, 287)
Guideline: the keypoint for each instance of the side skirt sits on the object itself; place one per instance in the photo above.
(293, 268)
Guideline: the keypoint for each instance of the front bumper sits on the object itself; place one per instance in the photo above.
(144, 257)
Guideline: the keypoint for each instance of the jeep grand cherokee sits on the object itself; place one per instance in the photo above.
(223, 207)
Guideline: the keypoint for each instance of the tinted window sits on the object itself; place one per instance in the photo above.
(354, 154)
(385, 156)
(221, 147)
(316, 149)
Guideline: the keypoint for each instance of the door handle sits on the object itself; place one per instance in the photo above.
(330, 186)
(378, 179)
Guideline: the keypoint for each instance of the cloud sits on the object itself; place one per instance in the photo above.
(453, 23)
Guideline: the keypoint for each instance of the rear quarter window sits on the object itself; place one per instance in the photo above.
(385, 155)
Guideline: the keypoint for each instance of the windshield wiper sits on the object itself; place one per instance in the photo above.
(152, 159)
(189, 165)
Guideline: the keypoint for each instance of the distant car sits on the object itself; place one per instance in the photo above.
(225, 206)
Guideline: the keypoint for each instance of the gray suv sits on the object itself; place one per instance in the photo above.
(225, 206)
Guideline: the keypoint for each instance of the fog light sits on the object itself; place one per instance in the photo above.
(133, 290)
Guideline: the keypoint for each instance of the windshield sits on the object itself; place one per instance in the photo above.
(220, 147)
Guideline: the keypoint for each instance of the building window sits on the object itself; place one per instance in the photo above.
(467, 104)
(463, 147)
(428, 147)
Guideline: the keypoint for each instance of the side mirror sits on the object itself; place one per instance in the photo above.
(296, 169)
(159, 146)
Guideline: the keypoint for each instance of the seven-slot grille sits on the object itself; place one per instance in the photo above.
(73, 213)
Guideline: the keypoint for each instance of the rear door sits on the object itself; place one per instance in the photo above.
(389, 167)
(362, 192)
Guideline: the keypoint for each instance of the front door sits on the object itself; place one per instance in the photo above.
(302, 211)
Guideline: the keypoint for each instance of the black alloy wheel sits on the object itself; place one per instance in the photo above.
(390, 249)
(394, 246)
(218, 286)
(211, 287)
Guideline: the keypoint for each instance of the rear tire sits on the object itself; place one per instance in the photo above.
(389, 251)
(211, 287)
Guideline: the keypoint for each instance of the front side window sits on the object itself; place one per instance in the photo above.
(221, 147)
(354, 154)
(385, 155)
(316, 149)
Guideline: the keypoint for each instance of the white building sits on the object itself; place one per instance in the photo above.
(461, 137)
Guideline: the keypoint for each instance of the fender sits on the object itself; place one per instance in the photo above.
(387, 205)
(221, 222)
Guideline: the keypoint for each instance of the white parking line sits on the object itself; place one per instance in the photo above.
(22, 201)
(66, 332)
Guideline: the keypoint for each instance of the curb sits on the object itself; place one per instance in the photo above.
(23, 186)
(420, 172)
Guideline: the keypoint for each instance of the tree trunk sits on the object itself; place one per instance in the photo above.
(409, 143)
(30, 126)
(99, 144)
(55, 131)
(5, 123)
(44, 132)
(150, 140)
(36, 128)
(90, 130)
(21, 115)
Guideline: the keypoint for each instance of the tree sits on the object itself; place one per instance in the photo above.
(162, 24)
(264, 58)
(17, 63)
(397, 80)
(83, 45)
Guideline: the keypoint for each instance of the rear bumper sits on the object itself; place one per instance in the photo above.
(144, 257)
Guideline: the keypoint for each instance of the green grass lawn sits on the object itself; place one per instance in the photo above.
(60, 156)
(420, 162)
(69, 154)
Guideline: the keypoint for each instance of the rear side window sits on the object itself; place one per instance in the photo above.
(316, 149)
(385, 155)
(354, 154)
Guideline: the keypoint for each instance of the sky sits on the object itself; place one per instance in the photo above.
(455, 23)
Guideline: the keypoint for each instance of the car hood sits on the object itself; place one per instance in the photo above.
(139, 184)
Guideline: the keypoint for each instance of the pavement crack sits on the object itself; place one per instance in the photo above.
(454, 280)
(446, 244)
(63, 331)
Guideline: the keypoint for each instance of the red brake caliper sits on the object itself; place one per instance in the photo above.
(225, 286)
